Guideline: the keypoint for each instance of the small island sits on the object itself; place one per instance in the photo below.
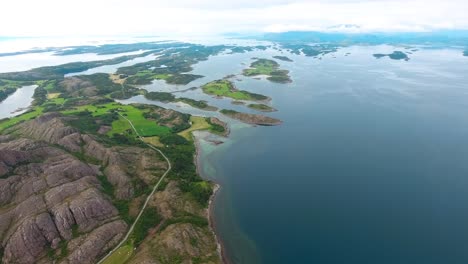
(225, 88)
(261, 107)
(269, 68)
(237, 102)
(260, 120)
(283, 58)
(396, 55)
(465, 53)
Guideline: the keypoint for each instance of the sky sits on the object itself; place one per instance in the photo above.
(212, 17)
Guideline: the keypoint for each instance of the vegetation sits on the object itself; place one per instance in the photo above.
(261, 107)
(189, 218)
(5, 92)
(149, 219)
(197, 104)
(225, 88)
(173, 139)
(144, 126)
(269, 68)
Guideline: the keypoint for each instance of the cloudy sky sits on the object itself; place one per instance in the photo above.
(208, 17)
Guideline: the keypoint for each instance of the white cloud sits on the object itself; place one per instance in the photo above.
(190, 17)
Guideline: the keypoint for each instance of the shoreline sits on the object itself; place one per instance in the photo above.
(217, 187)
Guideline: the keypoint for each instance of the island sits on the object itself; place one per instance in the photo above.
(262, 107)
(396, 55)
(310, 50)
(269, 68)
(225, 88)
(253, 119)
(465, 53)
(282, 58)
(170, 98)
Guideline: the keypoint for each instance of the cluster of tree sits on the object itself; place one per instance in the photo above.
(5, 93)
(181, 153)
(215, 127)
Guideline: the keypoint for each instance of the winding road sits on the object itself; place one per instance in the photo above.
(147, 199)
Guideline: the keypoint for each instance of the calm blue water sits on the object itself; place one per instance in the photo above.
(370, 166)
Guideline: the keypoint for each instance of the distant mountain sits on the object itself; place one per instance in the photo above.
(452, 37)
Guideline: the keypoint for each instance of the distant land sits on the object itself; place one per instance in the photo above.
(453, 37)
(396, 55)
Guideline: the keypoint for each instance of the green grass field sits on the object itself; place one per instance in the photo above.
(145, 127)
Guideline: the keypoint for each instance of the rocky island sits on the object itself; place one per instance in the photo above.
(253, 119)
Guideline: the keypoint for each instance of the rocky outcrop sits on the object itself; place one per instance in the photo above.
(53, 208)
(119, 162)
(47, 195)
(182, 241)
(253, 119)
(50, 198)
